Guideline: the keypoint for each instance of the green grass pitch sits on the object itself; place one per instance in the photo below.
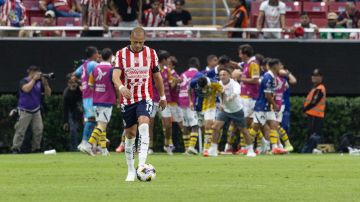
(78, 177)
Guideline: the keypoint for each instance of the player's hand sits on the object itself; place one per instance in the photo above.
(66, 127)
(162, 104)
(191, 105)
(221, 107)
(125, 92)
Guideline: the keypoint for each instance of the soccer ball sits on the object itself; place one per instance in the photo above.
(146, 173)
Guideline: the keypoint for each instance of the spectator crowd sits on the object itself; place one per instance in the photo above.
(292, 17)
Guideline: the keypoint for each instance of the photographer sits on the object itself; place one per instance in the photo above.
(72, 110)
(31, 90)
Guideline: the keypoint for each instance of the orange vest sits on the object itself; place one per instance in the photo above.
(319, 109)
(244, 23)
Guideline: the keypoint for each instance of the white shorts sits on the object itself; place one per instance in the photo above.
(210, 114)
(279, 114)
(190, 117)
(103, 114)
(176, 113)
(262, 117)
(166, 113)
(248, 107)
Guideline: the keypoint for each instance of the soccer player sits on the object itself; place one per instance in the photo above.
(166, 113)
(175, 80)
(211, 69)
(104, 98)
(190, 134)
(230, 111)
(206, 92)
(84, 72)
(135, 67)
(283, 80)
(265, 108)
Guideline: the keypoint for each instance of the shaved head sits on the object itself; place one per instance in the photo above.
(137, 39)
(138, 31)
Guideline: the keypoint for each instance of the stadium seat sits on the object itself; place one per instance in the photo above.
(66, 21)
(321, 23)
(32, 8)
(290, 22)
(337, 7)
(315, 9)
(293, 9)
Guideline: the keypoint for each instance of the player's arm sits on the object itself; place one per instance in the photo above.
(289, 75)
(254, 73)
(119, 85)
(260, 20)
(160, 87)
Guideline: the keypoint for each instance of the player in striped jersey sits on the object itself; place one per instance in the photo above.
(153, 17)
(135, 67)
(94, 15)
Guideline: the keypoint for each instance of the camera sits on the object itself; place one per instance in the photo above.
(50, 75)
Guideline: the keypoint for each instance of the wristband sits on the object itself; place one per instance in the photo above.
(163, 97)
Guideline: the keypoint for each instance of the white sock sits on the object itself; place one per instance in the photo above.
(273, 146)
(250, 148)
(144, 144)
(214, 146)
(129, 153)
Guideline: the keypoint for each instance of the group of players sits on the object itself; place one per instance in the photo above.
(249, 99)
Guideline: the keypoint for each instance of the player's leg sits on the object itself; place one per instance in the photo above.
(187, 128)
(143, 111)
(89, 125)
(130, 125)
(273, 133)
(193, 122)
(167, 129)
(155, 110)
(259, 127)
(121, 147)
(282, 132)
(218, 124)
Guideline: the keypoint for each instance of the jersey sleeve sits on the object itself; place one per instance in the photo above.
(262, 6)
(254, 70)
(91, 67)
(237, 88)
(78, 72)
(282, 8)
(217, 87)
(118, 60)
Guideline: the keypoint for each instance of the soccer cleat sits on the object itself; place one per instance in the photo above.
(120, 148)
(150, 151)
(289, 148)
(251, 154)
(131, 176)
(81, 146)
(168, 150)
(206, 153)
(88, 149)
(212, 153)
(105, 152)
(258, 151)
(192, 150)
(279, 151)
(242, 151)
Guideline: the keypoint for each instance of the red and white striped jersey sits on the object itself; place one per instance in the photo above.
(137, 72)
(9, 14)
(95, 18)
(153, 21)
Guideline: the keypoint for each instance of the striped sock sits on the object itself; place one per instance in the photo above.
(274, 136)
(186, 139)
(95, 136)
(103, 140)
(193, 139)
(208, 138)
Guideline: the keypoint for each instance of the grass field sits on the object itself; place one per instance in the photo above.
(77, 177)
